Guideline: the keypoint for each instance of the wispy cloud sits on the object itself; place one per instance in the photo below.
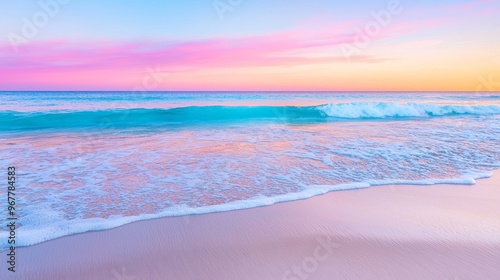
(261, 51)
(111, 64)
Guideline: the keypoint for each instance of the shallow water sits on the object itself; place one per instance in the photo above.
(92, 161)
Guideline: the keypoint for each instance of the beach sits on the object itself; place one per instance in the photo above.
(397, 232)
(250, 140)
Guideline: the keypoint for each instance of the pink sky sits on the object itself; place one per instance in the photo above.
(414, 50)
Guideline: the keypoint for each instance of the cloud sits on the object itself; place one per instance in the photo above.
(255, 51)
(105, 62)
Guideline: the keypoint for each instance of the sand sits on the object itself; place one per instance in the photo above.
(387, 232)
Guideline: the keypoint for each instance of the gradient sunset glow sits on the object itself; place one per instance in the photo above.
(250, 45)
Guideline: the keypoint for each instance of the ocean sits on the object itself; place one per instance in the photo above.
(89, 161)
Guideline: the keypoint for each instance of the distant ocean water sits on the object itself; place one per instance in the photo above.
(97, 160)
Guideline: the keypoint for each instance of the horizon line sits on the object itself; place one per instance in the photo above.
(260, 91)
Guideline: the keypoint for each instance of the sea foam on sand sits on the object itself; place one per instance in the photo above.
(388, 232)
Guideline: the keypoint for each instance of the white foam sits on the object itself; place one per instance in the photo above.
(55, 227)
(357, 110)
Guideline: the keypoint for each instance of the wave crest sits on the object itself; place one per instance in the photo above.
(395, 110)
(125, 118)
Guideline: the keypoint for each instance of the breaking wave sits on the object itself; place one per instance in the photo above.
(198, 115)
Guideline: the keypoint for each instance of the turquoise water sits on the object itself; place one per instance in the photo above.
(93, 161)
(201, 115)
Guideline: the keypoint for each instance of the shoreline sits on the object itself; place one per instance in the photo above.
(449, 230)
(311, 192)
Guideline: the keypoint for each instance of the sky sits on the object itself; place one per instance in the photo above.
(254, 45)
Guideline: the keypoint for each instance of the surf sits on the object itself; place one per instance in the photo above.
(199, 115)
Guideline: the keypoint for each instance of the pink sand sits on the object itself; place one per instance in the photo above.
(390, 232)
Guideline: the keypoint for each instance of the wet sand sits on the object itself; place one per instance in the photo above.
(387, 232)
